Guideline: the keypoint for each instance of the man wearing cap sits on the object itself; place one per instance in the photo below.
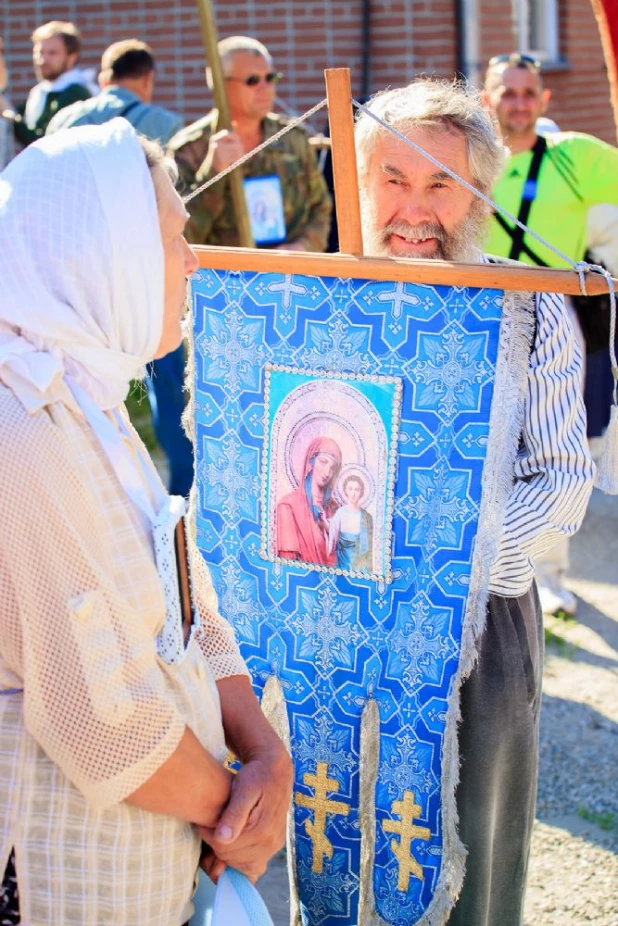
(289, 204)
(549, 182)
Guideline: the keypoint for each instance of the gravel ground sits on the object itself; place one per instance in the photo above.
(574, 865)
(573, 875)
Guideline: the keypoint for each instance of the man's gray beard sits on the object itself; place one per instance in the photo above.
(462, 244)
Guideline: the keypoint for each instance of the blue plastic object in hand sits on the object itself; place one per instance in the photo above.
(237, 902)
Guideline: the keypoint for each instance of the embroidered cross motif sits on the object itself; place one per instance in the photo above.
(399, 297)
(407, 830)
(321, 806)
(287, 288)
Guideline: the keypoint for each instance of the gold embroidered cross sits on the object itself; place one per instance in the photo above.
(321, 806)
(407, 830)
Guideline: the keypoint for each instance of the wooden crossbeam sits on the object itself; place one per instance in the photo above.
(433, 272)
(352, 265)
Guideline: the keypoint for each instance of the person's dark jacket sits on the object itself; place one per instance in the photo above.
(55, 101)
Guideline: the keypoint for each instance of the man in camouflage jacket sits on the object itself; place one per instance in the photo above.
(201, 152)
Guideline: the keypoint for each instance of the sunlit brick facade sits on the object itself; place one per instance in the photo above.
(406, 37)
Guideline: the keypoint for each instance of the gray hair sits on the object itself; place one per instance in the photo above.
(235, 43)
(426, 103)
(156, 157)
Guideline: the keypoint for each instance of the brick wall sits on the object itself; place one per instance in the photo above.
(305, 36)
(497, 35)
(581, 98)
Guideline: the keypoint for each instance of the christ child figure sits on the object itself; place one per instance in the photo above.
(351, 529)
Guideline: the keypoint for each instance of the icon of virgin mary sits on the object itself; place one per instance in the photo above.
(303, 515)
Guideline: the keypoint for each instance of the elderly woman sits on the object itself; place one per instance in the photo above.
(6, 126)
(114, 716)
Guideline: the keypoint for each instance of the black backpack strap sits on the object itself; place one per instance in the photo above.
(528, 196)
(524, 248)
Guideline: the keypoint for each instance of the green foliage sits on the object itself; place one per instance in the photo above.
(605, 821)
(139, 412)
(556, 643)
(554, 640)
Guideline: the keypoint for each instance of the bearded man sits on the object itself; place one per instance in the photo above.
(413, 208)
(56, 47)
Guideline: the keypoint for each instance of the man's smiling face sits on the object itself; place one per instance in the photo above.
(411, 208)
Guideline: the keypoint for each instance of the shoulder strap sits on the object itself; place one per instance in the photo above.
(528, 195)
(129, 107)
(524, 247)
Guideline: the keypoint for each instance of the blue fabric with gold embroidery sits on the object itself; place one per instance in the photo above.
(399, 378)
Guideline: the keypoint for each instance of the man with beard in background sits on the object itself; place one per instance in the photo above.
(55, 51)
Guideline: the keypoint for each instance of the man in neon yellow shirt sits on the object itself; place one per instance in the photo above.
(576, 171)
(549, 182)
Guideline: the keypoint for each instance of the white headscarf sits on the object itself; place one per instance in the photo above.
(81, 266)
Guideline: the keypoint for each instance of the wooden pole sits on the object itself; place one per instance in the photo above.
(345, 173)
(209, 36)
(400, 270)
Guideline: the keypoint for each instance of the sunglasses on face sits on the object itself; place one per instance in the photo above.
(516, 60)
(273, 77)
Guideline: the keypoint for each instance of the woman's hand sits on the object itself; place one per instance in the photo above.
(253, 825)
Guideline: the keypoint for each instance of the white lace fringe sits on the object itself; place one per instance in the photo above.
(606, 478)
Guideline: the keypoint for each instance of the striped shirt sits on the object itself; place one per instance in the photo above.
(554, 470)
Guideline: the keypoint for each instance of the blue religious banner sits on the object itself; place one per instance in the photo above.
(353, 442)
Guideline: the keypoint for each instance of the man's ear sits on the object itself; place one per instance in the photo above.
(148, 87)
(485, 99)
(72, 61)
(545, 100)
(103, 82)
